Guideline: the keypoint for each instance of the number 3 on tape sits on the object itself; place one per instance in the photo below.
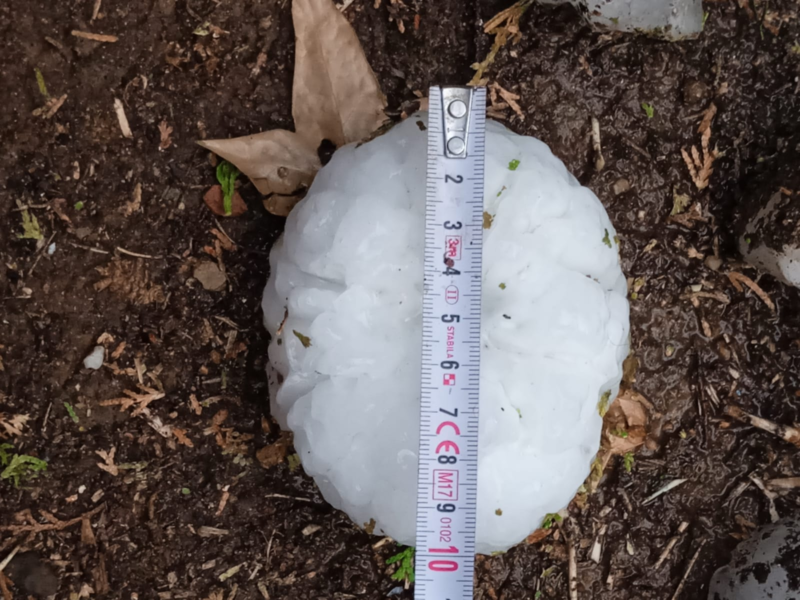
(447, 486)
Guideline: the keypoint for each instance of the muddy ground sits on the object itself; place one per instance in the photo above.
(149, 534)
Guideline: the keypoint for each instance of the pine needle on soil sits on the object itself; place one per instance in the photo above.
(504, 26)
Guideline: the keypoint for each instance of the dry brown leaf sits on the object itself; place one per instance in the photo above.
(537, 536)
(509, 98)
(12, 424)
(214, 199)
(281, 205)
(129, 279)
(624, 426)
(165, 132)
(701, 168)
(195, 405)
(224, 240)
(180, 435)
(59, 206)
(136, 201)
(119, 350)
(108, 461)
(50, 107)
(708, 116)
(141, 401)
(335, 96)
(276, 161)
(87, 535)
(737, 278)
(272, 455)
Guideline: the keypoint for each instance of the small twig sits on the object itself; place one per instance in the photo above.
(671, 544)
(269, 547)
(225, 233)
(670, 486)
(96, 9)
(773, 512)
(284, 497)
(95, 37)
(46, 416)
(688, 570)
(784, 483)
(345, 5)
(599, 161)
(89, 248)
(8, 558)
(136, 254)
(54, 523)
(737, 278)
(573, 573)
(785, 432)
(41, 252)
(124, 126)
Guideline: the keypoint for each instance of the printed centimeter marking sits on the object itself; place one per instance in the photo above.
(450, 371)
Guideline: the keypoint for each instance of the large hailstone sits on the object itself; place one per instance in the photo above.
(348, 273)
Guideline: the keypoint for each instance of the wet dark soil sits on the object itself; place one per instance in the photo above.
(151, 537)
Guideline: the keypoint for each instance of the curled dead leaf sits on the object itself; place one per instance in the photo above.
(335, 97)
(276, 161)
(335, 94)
(280, 205)
(214, 200)
(624, 426)
(272, 455)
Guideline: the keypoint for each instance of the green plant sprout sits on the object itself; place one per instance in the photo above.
(649, 110)
(405, 572)
(226, 175)
(628, 461)
(19, 468)
(551, 519)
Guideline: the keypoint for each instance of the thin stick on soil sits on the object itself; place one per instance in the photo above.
(785, 432)
(688, 571)
(8, 558)
(46, 416)
(773, 512)
(284, 497)
(96, 9)
(573, 573)
(41, 252)
(269, 547)
(136, 254)
(95, 37)
(671, 544)
(89, 248)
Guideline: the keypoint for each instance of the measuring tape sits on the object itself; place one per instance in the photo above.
(447, 485)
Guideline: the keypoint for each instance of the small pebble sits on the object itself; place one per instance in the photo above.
(694, 91)
(713, 262)
(51, 249)
(210, 276)
(95, 359)
(621, 186)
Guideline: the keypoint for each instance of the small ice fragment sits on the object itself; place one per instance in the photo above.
(95, 359)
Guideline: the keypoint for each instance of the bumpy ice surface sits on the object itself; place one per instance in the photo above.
(349, 271)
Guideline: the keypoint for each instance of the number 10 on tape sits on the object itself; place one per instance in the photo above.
(447, 486)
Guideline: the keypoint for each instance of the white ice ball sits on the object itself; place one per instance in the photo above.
(348, 272)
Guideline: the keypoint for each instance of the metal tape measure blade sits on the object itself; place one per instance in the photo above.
(448, 456)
